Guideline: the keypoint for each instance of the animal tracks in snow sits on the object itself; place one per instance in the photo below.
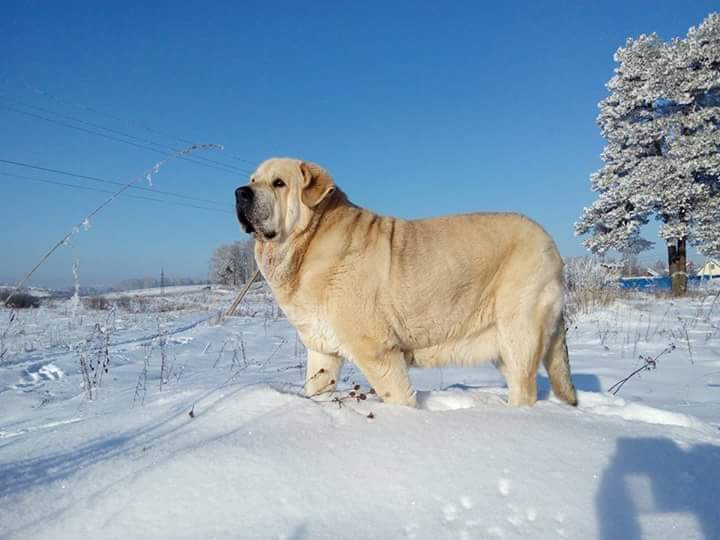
(464, 520)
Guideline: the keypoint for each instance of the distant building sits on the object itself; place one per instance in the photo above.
(612, 268)
(710, 268)
(651, 272)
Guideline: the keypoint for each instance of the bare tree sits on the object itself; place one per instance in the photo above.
(661, 267)
(233, 264)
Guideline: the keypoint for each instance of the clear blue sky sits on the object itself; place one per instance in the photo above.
(417, 108)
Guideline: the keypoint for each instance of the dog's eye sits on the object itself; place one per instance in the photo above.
(252, 180)
(278, 183)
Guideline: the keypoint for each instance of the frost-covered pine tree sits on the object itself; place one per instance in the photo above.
(633, 153)
(694, 143)
(662, 125)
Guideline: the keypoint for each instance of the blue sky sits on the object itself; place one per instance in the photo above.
(417, 108)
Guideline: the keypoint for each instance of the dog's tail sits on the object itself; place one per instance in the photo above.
(557, 365)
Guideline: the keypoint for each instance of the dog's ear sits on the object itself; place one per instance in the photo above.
(317, 184)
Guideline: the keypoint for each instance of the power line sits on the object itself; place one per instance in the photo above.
(92, 110)
(223, 168)
(116, 131)
(114, 195)
(88, 188)
(105, 181)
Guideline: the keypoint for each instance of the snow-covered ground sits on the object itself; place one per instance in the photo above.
(157, 291)
(257, 460)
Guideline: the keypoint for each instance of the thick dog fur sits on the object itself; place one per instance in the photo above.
(389, 293)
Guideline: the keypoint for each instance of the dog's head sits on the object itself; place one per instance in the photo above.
(281, 198)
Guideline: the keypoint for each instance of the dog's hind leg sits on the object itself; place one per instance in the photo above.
(520, 350)
(527, 327)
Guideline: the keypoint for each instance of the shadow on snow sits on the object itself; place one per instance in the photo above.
(680, 481)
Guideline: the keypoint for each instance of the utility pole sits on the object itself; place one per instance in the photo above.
(162, 281)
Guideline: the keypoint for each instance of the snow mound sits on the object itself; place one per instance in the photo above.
(458, 398)
(607, 405)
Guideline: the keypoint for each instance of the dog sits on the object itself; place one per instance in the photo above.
(389, 293)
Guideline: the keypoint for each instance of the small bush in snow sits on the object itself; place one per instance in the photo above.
(589, 285)
(133, 304)
(98, 303)
(149, 304)
(649, 364)
(94, 359)
(19, 300)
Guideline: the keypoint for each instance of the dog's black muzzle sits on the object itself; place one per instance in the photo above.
(244, 198)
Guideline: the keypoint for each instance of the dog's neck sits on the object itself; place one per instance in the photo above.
(280, 263)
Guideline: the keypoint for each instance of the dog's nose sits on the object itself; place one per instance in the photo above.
(243, 195)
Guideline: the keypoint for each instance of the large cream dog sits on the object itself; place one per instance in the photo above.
(389, 293)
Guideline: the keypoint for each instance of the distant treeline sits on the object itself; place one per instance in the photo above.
(32, 297)
(154, 282)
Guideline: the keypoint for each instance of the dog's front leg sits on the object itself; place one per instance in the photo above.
(387, 372)
(322, 372)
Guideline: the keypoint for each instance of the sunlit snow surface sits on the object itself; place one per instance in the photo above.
(258, 460)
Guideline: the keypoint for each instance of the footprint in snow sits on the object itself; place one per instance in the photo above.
(466, 524)
(37, 374)
(459, 517)
(504, 485)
